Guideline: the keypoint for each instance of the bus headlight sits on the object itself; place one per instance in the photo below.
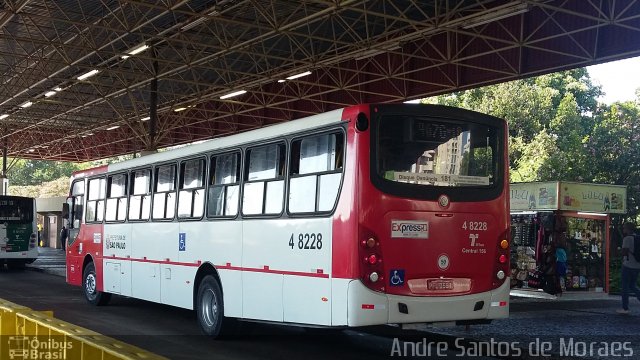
(500, 275)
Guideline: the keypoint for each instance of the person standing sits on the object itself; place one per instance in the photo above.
(64, 234)
(630, 267)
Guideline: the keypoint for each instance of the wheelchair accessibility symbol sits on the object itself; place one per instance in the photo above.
(396, 277)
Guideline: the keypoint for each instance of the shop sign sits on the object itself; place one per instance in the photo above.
(534, 196)
(593, 198)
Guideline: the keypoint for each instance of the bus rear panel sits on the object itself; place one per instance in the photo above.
(18, 230)
(432, 214)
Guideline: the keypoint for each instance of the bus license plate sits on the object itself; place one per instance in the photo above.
(440, 284)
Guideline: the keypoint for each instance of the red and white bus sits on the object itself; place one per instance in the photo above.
(372, 214)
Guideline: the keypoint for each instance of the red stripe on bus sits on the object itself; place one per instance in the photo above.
(226, 267)
(145, 260)
(271, 271)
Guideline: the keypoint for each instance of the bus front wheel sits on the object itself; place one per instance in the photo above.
(89, 285)
(209, 307)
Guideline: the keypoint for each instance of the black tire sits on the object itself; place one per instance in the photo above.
(16, 264)
(210, 308)
(89, 286)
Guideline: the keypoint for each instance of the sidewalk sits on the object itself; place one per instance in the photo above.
(51, 261)
(565, 323)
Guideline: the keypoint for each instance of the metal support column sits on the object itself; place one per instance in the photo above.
(152, 146)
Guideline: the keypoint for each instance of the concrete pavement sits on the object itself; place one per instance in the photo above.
(50, 260)
(564, 327)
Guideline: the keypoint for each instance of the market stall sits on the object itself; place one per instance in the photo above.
(560, 237)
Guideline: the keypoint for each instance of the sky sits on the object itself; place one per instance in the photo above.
(619, 79)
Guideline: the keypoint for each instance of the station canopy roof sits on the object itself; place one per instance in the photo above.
(78, 75)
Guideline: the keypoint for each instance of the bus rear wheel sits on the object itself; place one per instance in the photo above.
(89, 285)
(210, 308)
(16, 264)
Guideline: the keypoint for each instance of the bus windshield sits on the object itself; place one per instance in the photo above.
(16, 210)
(436, 152)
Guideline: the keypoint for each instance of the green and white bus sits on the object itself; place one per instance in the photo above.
(18, 231)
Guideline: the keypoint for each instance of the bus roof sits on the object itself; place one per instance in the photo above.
(264, 133)
(88, 172)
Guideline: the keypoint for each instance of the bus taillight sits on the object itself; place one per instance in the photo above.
(33, 241)
(501, 270)
(372, 268)
(370, 243)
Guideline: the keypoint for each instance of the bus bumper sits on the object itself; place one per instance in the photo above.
(367, 307)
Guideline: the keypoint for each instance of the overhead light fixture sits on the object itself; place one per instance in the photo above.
(4, 116)
(136, 51)
(193, 24)
(293, 77)
(50, 93)
(588, 213)
(26, 105)
(58, 89)
(88, 74)
(199, 20)
(230, 95)
(180, 109)
(146, 118)
(496, 14)
(31, 150)
(113, 127)
(281, 81)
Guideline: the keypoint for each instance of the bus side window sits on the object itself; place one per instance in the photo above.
(116, 198)
(77, 192)
(140, 199)
(224, 185)
(191, 196)
(95, 200)
(316, 173)
(164, 196)
(264, 176)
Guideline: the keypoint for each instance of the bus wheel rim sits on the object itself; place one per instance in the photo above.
(209, 308)
(90, 284)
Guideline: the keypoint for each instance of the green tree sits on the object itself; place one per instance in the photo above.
(34, 172)
(554, 111)
(58, 187)
(568, 161)
(613, 150)
(534, 156)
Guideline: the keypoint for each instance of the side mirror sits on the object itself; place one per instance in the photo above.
(65, 210)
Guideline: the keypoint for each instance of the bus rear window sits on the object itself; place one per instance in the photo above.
(16, 210)
(436, 152)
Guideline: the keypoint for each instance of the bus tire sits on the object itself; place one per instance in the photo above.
(210, 308)
(16, 264)
(90, 287)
